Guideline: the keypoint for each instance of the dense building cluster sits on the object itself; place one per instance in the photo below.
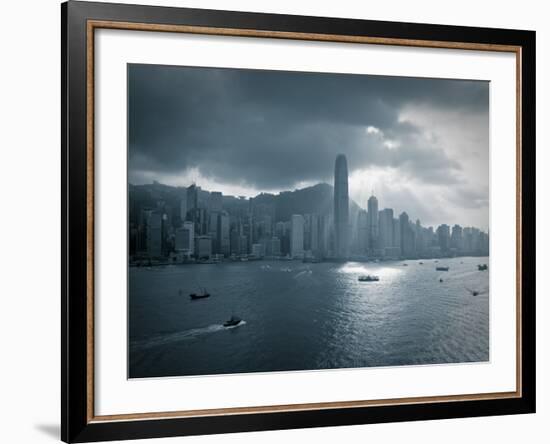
(207, 226)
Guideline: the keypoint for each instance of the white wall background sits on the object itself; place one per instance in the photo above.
(30, 219)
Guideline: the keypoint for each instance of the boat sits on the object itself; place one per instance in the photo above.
(232, 321)
(405, 265)
(442, 268)
(421, 263)
(368, 278)
(201, 295)
(483, 267)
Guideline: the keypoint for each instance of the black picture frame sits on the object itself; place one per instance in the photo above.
(76, 423)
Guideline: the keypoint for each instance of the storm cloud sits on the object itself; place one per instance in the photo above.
(274, 130)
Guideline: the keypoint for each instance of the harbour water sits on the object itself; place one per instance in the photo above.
(299, 316)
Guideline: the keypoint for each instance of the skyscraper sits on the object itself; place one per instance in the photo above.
(372, 223)
(183, 207)
(397, 234)
(385, 228)
(406, 236)
(443, 237)
(456, 237)
(185, 237)
(215, 203)
(297, 236)
(192, 198)
(341, 207)
(154, 234)
(222, 235)
(362, 232)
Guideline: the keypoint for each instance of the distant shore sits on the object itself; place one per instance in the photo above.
(158, 263)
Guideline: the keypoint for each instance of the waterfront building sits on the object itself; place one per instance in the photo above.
(393, 253)
(141, 241)
(403, 226)
(385, 228)
(215, 202)
(397, 234)
(475, 240)
(443, 237)
(372, 223)
(275, 246)
(484, 243)
(456, 238)
(266, 245)
(203, 247)
(200, 218)
(425, 240)
(183, 207)
(431, 238)
(212, 230)
(467, 240)
(234, 238)
(258, 250)
(282, 231)
(297, 236)
(265, 226)
(311, 233)
(223, 234)
(192, 198)
(326, 235)
(412, 230)
(243, 245)
(407, 237)
(315, 230)
(185, 237)
(154, 234)
(341, 207)
(362, 232)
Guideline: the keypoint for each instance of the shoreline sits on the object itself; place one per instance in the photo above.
(302, 261)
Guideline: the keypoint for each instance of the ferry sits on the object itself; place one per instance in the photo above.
(368, 278)
(203, 294)
(232, 321)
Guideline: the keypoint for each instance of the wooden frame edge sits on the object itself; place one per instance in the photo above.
(285, 408)
(91, 25)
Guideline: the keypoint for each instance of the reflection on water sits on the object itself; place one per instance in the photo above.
(306, 316)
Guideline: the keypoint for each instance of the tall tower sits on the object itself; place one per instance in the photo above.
(385, 228)
(372, 223)
(341, 207)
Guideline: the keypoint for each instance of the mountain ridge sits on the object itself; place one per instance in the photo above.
(316, 199)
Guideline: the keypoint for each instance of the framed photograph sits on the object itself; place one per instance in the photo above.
(276, 221)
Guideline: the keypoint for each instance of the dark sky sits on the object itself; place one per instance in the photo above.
(422, 145)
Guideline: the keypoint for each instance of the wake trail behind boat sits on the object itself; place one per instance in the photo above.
(184, 335)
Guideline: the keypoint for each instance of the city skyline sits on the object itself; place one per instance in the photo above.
(247, 198)
(420, 144)
(202, 228)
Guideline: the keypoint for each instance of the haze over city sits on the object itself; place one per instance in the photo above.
(419, 145)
